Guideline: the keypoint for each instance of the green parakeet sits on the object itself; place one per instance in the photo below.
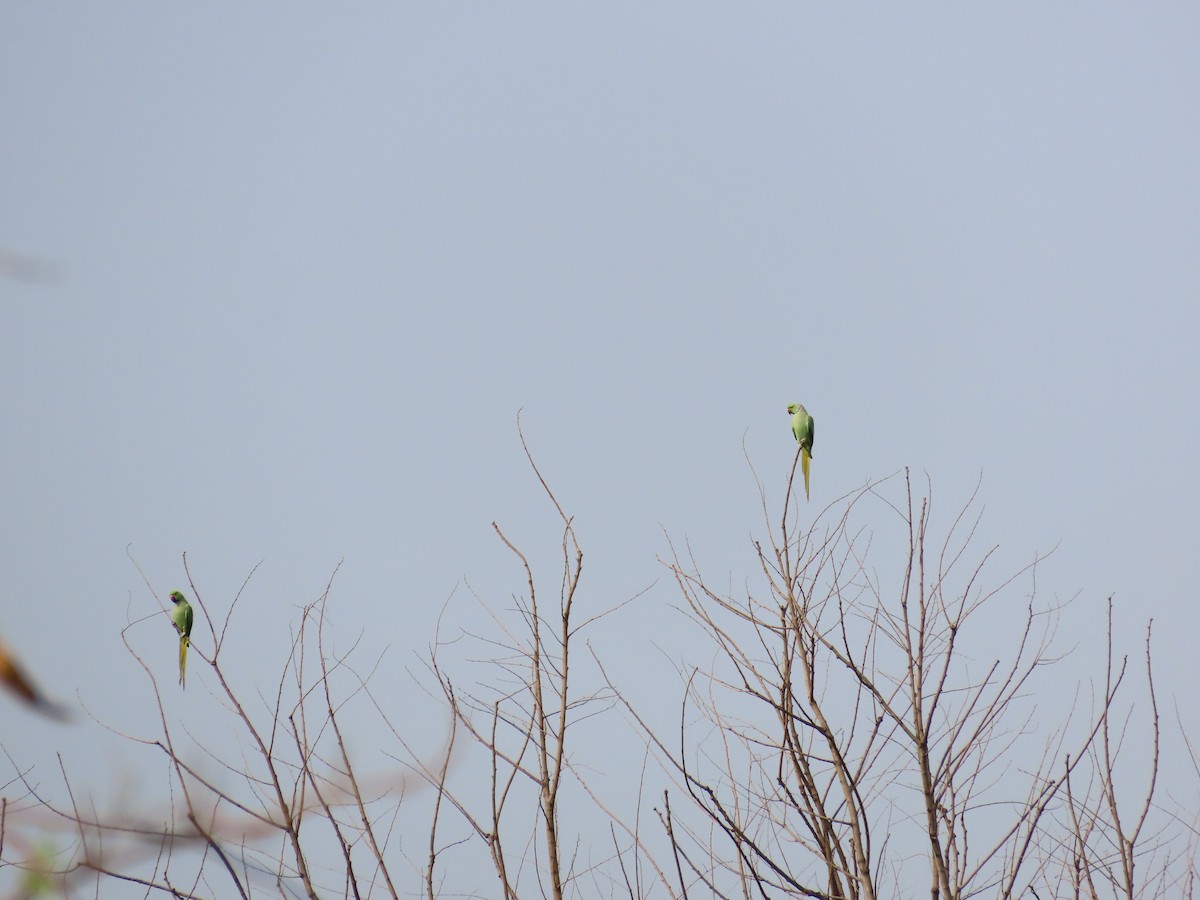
(802, 428)
(181, 617)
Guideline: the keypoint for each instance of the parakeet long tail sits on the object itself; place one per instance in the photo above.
(183, 645)
(805, 456)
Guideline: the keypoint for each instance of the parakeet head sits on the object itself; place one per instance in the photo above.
(177, 597)
(792, 407)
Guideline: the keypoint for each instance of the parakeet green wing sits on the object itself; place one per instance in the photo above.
(181, 617)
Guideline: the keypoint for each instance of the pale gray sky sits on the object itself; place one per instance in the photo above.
(313, 261)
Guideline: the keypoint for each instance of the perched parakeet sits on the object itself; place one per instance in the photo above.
(802, 428)
(181, 616)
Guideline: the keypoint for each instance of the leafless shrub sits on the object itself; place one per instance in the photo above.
(873, 720)
(859, 727)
